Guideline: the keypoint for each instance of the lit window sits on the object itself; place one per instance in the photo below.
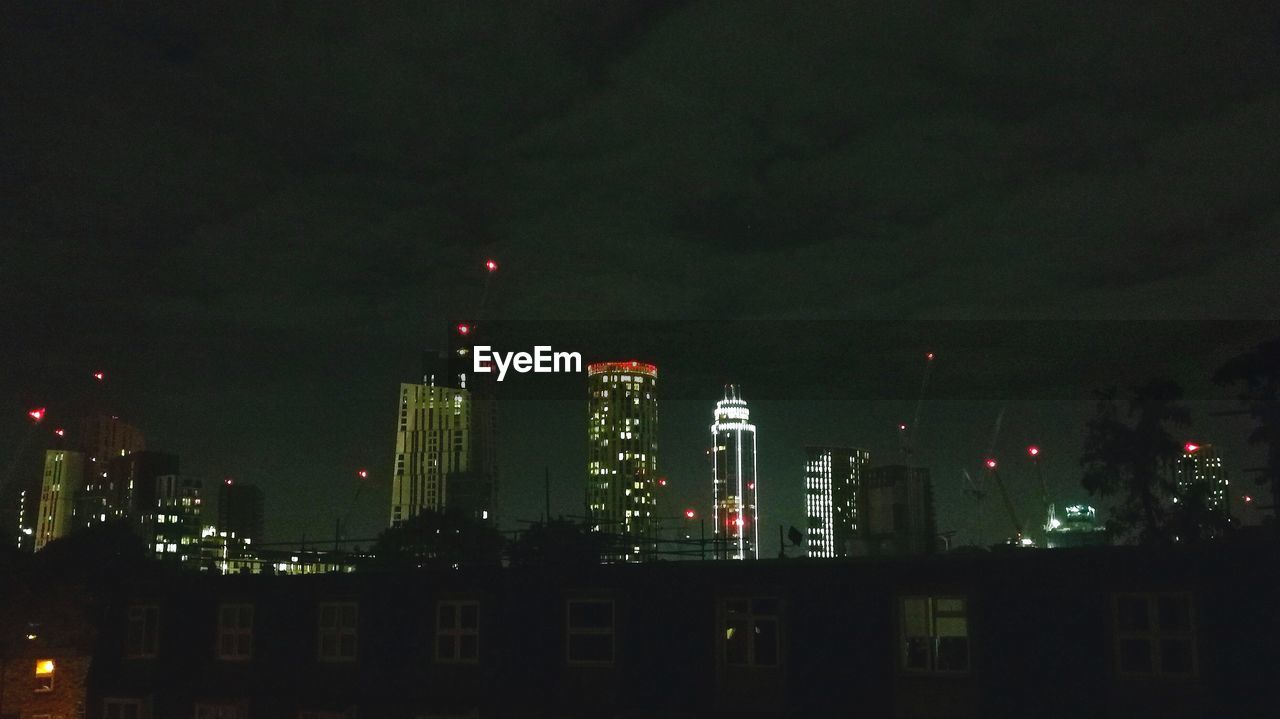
(750, 632)
(235, 631)
(142, 635)
(1155, 635)
(590, 632)
(458, 631)
(337, 635)
(935, 635)
(44, 675)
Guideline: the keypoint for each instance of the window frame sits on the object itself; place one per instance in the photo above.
(338, 631)
(45, 681)
(456, 632)
(753, 619)
(145, 649)
(1154, 635)
(932, 614)
(571, 631)
(235, 632)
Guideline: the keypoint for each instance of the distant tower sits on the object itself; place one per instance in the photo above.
(622, 454)
(63, 475)
(832, 477)
(1200, 466)
(240, 510)
(445, 436)
(104, 438)
(733, 479)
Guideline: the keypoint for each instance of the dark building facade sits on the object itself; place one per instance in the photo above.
(240, 511)
(1065, 633)
(895, 511)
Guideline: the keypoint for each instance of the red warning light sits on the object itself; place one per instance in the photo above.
(991, 464)
(60, 432)
(464, 329)
(662, 481)
(1248, 499)
(228, 481)
(929, 356)
(491, 266)
(364, 474)
(98, 376)
(689, 514)
(902, 426)
(37, 414)
(1033, 450)
(751, 485)
(1190, 447)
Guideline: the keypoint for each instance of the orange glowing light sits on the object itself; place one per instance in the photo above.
(44, 667)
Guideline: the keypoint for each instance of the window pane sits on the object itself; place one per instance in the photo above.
(915, 617)
(348, 615)
(915, 653)
(591, 647)
(445, 646)
(591, 615)
(766, 642)
(1173, 613)
(348, 645)
(469, 616)
(469, 647)
(950, 605)
(953, 627)
(1135, 656)
(1175, 656)
(953, 654)
(448, 616)
(1131, 614)
(328, 644)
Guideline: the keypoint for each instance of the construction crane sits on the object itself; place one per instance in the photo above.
(993, 470)
(907, 432)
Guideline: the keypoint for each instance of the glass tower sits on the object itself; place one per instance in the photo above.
(733, 479)
(622, 455)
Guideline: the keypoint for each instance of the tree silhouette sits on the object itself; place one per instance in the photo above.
(1257, 374)
(558, 541)
(1130, 455)
(438, 539)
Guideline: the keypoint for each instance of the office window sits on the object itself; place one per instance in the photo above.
(935, 635)
(121, 709)
(750, 631)
(44, 675)
(142, 636)
(590, 631)
(457, 631)
(235, 632)
(219, 711)
(337, 635)
(1155, 634)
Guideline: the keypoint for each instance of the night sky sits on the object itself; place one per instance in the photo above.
(256, 217)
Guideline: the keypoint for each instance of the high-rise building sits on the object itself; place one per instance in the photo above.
(240, 511)
(1200, 469)
(832, 476)
(733, 479)
(104, 438)
(1078, 527)
(445, 437)
(62, 480)
(622, 455)
(895, 511)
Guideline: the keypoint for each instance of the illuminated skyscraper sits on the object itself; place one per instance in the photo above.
(445, 458)
(104, 438)
(622, 454)
(63, 476)
(832, 476)
(733, 479)
(1201, 467)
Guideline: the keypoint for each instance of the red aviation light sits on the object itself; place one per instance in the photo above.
(1190, 447)
(60, 432)
(690, 514)
(929, 356)
(662, 481)
(1033, 450)
(464, 329)
(99, 376)
(363, 474)
(491, 266)
(37, 414)
(228, 481)
(991, 464)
